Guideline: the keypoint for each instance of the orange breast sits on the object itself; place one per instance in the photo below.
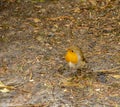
(71, 57)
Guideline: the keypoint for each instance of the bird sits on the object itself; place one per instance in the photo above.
(75, 58)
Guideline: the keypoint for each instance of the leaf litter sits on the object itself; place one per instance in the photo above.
(33, 41)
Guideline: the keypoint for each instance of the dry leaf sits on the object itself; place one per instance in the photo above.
(4, 90)
(93, 2)
(77, 10)
(117, 76)
(1, 84)
(36, 20)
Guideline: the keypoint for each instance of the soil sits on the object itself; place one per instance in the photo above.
(34, 37)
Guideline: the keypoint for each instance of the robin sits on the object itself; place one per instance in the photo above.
(75, 57)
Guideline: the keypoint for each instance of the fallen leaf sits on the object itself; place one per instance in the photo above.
(116, 76)
(4, 90)
(93, 2)
(36, 20)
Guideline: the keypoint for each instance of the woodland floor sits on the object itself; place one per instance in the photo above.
(34, 37)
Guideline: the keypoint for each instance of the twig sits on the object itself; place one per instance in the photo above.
(113, 69)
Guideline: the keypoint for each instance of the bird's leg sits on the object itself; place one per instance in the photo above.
(73, 71)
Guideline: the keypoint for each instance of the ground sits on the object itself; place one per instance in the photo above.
(34, 37)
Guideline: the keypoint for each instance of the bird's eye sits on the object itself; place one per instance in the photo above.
(71, 50)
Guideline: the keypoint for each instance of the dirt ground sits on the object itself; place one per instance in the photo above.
(34, 37)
